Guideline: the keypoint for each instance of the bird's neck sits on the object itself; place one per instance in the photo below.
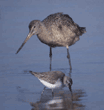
(42, 31)
(64, 80)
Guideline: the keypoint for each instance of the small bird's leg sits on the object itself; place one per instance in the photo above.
(68, 56)
(52, 93)
(43, 90)
(50, 55)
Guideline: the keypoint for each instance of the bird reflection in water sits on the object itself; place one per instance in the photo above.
(61, 101)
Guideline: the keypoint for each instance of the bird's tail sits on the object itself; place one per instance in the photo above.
(33, 73)
(82, 30)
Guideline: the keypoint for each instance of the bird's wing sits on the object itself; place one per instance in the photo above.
(51, 76)
(60, 20)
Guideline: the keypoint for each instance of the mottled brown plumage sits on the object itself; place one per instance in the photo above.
(55, 30)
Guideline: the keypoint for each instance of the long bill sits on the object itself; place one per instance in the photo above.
(27, 38)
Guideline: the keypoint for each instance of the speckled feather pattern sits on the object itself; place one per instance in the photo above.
(51, 76)
(58, 30)
(55, 30)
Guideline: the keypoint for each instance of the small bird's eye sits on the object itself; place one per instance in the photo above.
(34, 26)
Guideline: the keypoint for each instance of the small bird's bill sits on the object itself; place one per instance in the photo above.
(27, 38)
(70, 88)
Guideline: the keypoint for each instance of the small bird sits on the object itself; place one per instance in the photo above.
(53, 79)
(56, 30)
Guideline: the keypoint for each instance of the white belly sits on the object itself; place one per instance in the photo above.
(58, 84)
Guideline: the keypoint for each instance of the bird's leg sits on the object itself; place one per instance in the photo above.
(50, 55)
(52, 93)
(43, 90)
(68, 56)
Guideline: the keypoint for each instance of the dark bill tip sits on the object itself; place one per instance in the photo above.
(20, 48)
(70, 88)
(27, 38)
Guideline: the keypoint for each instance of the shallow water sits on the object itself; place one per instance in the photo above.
(21, 90)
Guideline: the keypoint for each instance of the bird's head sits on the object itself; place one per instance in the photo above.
(68, 82)
(34, 28)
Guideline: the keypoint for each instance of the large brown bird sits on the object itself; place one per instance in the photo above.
(56, 30)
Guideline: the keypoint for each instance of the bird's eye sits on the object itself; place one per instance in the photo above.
(34, 26)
